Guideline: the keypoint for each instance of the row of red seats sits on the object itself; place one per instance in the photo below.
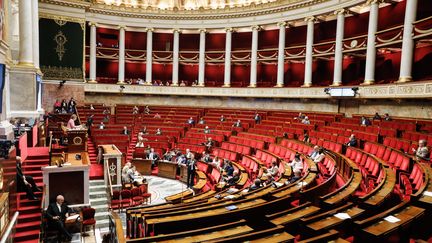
(204, 136)
(241, 149)
(264, 138)
(225, 126)
(247, 142)
(297, 146)
(283, 152)
(329, 145)
(393, 157)
(416, 136)
(265, 132)
(370, 168)
(226, 133)
(195, 148)
(226, 154)
(400, 144)
(266, 158)
(251, 165)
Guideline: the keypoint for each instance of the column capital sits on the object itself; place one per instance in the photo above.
(370, 2)
(120, 27)
(341, 11)
(93, 24)
(256, 27)
(310, 19)
(176, 30)
(282, 24)
(202, 30)
(149, 29)
(229, 29)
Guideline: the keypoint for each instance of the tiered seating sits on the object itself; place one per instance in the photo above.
(226, 154)
(241, 149)
(247, 142)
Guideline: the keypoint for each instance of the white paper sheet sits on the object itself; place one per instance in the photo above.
(342, 216)
(427, 193)
(391, 219)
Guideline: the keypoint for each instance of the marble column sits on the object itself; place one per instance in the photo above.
(309, 51)
(338, 57)
(281, 55)
(176, 53)
(149, 56)
(371, 49)
(408, 45)
(25, 33)
(254, 57)
(92, 53)
(227, 69)
(201, 67)
(121, 66)
(35, 32)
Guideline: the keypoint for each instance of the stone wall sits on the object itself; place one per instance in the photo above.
(53, 91)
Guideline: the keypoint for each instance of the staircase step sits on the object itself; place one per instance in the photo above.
(99, 201)
(30, 217)
(26, 235)
(29, 241)
(32, 225)
(97, 183)
(100, 208)
(102, 194)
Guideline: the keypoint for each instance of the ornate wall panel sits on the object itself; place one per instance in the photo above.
(61, 43)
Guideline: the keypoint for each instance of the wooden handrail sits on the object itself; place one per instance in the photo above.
(118, 228)
(388, 30)
(109, 179)
(422, 20)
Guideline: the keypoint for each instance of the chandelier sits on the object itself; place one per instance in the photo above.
(182, 4)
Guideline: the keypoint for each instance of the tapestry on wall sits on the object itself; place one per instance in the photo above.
(61, 44)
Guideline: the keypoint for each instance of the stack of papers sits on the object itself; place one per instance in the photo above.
(230, 197)
(231, 207)
(342, 216)
(428, 193)
(232, 190)
(391, 219)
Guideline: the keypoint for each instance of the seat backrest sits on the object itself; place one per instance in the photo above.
(88, 213)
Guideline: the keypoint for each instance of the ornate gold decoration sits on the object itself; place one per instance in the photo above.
(62, 72)
(77, 141)
(61, 40)
(60, 22)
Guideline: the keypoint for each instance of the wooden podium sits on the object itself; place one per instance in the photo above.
(167, 169)
(77, 140)
(143, 166)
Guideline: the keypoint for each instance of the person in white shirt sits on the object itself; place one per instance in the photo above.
(306, 121)
(320, 157)
(272, 171)
(101, 126)
(297, 164)
(422, 152)
(314, 152)
(207, 130)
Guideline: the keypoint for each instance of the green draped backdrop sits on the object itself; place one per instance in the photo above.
(61, 46)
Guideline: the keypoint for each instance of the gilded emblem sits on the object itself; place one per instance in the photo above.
(77, 140)
(60, 39)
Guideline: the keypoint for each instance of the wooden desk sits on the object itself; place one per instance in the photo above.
(167, 169)
(345, 191)
(382, 191)
(72, 159)
(293, 215)
(213, 235)
(383, 227)
(332, 221)
(143, 166)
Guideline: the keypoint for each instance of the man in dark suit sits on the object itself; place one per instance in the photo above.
(56, 214)
(153, 156)
(25, 183)
(191, 167)
(125, 131)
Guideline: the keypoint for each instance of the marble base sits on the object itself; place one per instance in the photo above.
(6, 130)
(23, 91)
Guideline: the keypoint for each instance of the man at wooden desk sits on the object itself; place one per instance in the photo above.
(57, 213)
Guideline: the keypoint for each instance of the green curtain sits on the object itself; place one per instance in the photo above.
(61, 49)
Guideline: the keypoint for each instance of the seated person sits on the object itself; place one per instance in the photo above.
(188, 154)
(127, 175)
(300, 117)
(315, 152)
(101, 126)
(387, 117)
(57, 106)
(158, 131)
(207, 130)
(320, 156)
(169, 155)
(297, 176)
(146, 110)
(306, 137)
(144, 130)
(135, 110)
(228, 168)
(234, 179)
(56, 214)
(216, 162)
(206, 157)
(352, 141)
(422, 151)
(157, 116)
(201, 121)
(306, 121)
(153, 156)
(257, 118)
(71, 122)
(181, 159)
(365, 121)
(296, 164)
(209, 144)
(376, 116)
(256, 185)
(273, 171)
(222, 118)
(125, 131)
(191, 121)
(141, 140)
(25, 183)
(237, 124)
(91, 107)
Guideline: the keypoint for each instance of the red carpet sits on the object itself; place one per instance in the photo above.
(96, 170)
(29, 219)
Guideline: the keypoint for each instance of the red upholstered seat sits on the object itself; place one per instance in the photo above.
(87, 216)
